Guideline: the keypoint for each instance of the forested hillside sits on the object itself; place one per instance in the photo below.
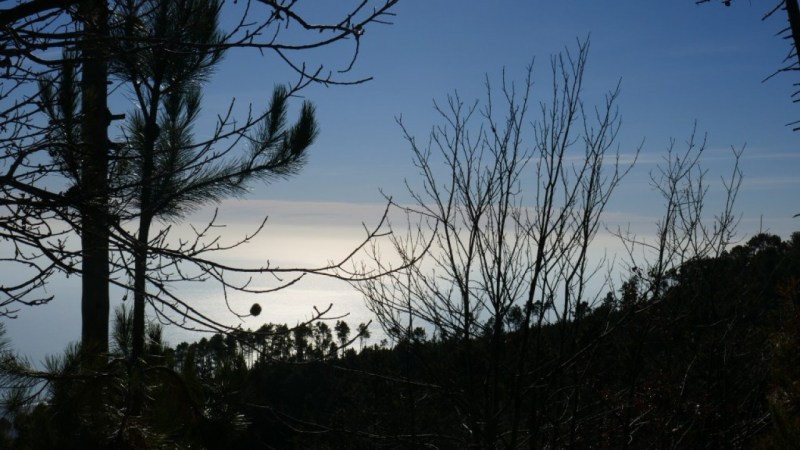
(710, 364)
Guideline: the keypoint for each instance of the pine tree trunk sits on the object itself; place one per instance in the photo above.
(138, 344)
(94, 183)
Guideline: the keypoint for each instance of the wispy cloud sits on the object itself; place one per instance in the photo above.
(779, 182)
(297, 213)
(769, 156)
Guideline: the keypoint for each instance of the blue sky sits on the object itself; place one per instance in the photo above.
(678, 63)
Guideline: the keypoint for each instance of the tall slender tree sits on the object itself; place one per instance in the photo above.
(93, 185)
(162, 51)
(167, 173)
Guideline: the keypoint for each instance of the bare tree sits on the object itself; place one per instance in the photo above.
(685, 232)
(511, 205)
(685, 236)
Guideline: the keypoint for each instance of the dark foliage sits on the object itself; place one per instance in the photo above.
(704, 366)
(712, 363)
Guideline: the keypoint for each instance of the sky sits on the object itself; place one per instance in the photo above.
(680, 66)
